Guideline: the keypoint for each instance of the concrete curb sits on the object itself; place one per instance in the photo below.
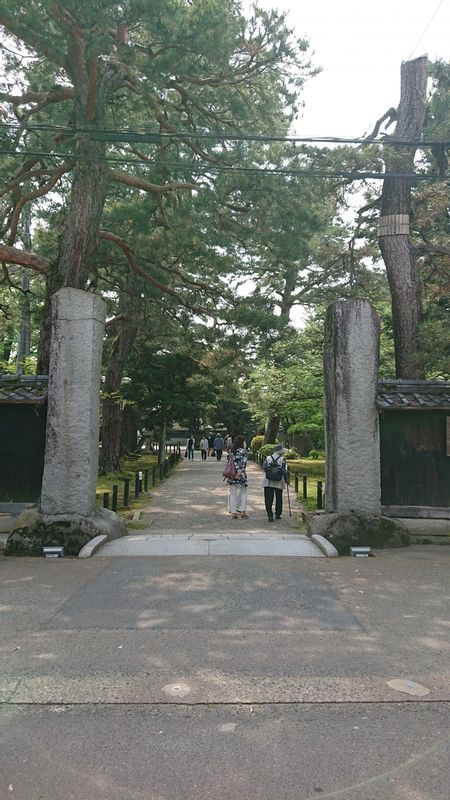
(325, 546)
(91, 547)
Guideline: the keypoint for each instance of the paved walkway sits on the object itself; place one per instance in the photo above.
(224, 678)
(188, 515)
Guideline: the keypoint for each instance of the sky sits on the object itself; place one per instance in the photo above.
(360, 46)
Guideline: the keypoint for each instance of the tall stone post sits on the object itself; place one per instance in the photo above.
(71, 452)
(67, 515)
(351, 417)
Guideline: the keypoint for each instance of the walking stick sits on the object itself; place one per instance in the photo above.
(289, 499)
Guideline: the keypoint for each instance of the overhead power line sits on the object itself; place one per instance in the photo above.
(205, 168)
(155, 137)
(425, 30)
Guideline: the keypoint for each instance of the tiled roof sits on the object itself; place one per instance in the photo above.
(23, 389)
(409, 395)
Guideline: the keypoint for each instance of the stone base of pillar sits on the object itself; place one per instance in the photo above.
(345, 530)
(33, 530)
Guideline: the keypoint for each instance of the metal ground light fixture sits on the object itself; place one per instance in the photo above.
(361, 552)
(53, 552)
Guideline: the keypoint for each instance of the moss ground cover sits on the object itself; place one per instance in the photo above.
(130, 466)
(314, 469)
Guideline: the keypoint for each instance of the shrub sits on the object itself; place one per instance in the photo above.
(256, 443)
(267, 450)
(314, 454)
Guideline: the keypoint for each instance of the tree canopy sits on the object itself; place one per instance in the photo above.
(138, 138)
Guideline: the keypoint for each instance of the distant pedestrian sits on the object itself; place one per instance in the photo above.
(204, 447)
(228, 441)
(211, 444)
(218, 446)
(237, 486)
(274, 481)
(190, 447)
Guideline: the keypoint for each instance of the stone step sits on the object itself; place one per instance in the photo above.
(214, 545)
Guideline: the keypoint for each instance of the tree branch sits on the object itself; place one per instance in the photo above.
(31, 38)
(131, 259)
(146, 186)
(12, 255)
(25, 198)
(391, 115)
(41, 99)
(432, 249)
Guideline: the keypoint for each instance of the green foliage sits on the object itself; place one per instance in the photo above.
(267, 450)
(314, 454)
(129, 467)
(291, 388)
(256, 443)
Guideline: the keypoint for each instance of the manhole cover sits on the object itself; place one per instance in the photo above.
(176, 689)
(409, 687)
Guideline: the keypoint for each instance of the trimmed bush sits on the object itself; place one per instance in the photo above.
(256, 443)
(267, 450)
(314, 454)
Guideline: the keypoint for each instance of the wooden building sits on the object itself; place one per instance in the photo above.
(415, 448)
(23, 415)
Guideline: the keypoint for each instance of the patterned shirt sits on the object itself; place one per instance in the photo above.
(240, 462)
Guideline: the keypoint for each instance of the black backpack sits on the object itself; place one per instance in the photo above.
(273, 470)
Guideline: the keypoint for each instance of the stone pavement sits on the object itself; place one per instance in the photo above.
(187, 515)
(226, 678)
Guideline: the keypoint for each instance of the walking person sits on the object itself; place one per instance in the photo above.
(211, 444)
(204, 445)
(190, 447)
(218, 446)
(275, 476)
(237, 485)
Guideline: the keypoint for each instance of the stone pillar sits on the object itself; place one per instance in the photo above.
(351, 418)
(71, 452)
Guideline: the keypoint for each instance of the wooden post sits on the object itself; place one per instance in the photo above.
(114, 497)
(105, 499)
(126, 492)
(319, 495)
(305, 487)
(296, 481)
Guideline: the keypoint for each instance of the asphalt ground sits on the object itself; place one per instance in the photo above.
(226, 677)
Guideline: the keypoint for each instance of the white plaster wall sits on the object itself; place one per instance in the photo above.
(71, 455)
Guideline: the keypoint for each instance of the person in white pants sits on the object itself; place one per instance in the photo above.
(237, 486)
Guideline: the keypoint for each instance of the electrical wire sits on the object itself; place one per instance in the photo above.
(425, 30)
(205, 168)
(156, 137)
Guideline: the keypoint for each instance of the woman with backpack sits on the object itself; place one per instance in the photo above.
(237, 482)
(274, 481)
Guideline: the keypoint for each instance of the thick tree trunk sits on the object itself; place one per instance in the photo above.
(303, 443)
(287, 301)
(87, 198)
(273, 424)
(398, 254)
(89, 186)
(112, 402)
(130, 425)
(7, 347)
(52, 285)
